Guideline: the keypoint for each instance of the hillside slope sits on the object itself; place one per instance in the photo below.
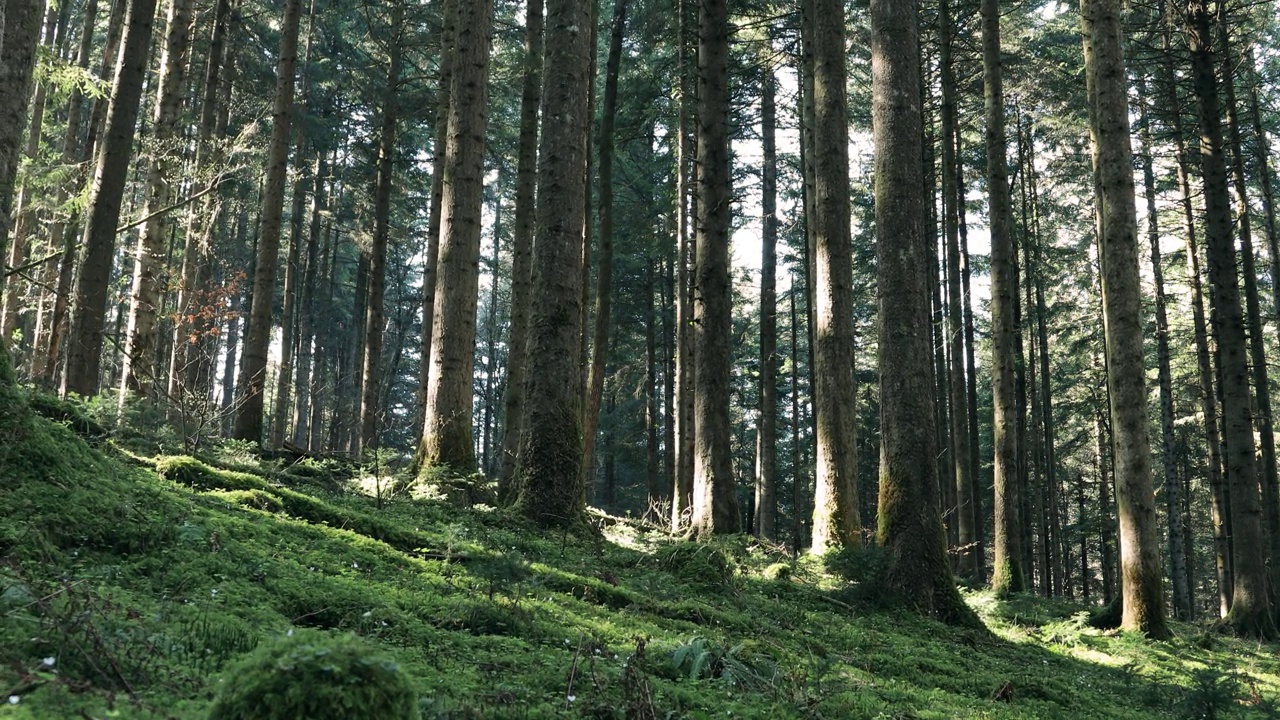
(127, 584)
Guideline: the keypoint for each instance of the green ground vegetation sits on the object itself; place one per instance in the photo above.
(144, 585)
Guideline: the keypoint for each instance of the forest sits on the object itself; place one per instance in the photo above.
(639, 359)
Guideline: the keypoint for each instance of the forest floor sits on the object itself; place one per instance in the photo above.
(129, 581)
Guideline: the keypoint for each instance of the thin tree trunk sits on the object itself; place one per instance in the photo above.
(1205, 374)
(522, 246)
(439, 149)
(140, 372)
(682, 495)
(970, 560)
(375, 313)
(604, 276)
(253, 374)
(20, 238)
(45, 368)
(1172, 486)
(766, 476)
(1253, 309)
(307, 311)
(654, 491)
(797, 475)
(1008, 571)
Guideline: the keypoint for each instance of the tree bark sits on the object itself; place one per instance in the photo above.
(1007, 574)
(431, 259)
(970, 560)
(604, 276)
(910, 527)
(1253, 309)
(253, 371)
(682, 492)
(307, 313)
(549, 476)
(1208, 395)
(1250, 609)
(140, 373)
(1141, 579)
(835, 511)
(766, 476)
(714, 498)
(85, 337)
(1172, 486)
(522, 246)
(446, 438)
(375, 314)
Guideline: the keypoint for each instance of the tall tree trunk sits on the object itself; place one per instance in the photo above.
(196, 254)
(970, 560)
(1205, 374)
(141, 371)
(21, 30)
(1142, 579)
(1250, 609)
(281, 410)
(549, 476)
(446, 437)
(439, 150)
(835, 513)
(253, 371)
(797, 467)
(714, 498)
(971, 386)
(375, 314)
(1263, 170)
(766, 476)
(1008, 571)
(910, 527)
(655, 493)
(307, 311)
(522, 245)
(20, 238)
(682, 495)
(1172, 486)
(1253, 309)
(604, 276)
(45, 367)
(85, 337)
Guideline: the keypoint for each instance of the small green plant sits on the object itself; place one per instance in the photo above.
(1212, 695)
(702, 659)
(1069, 632)
(316, 676)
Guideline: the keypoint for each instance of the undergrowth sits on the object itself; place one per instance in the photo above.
(136, 588)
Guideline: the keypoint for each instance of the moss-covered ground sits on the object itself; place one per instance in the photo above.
(129, 583)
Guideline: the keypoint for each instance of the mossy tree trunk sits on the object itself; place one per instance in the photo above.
(1007, 574)
(1250, 611)
(549, 470)
(910, 527)
(522, 246)
(1141, 574)
(446, 435)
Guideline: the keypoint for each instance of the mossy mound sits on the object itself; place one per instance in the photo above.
(319, 677)
(697, 563)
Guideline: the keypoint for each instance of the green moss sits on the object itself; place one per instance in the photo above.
(256, 499)
(311, 675)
